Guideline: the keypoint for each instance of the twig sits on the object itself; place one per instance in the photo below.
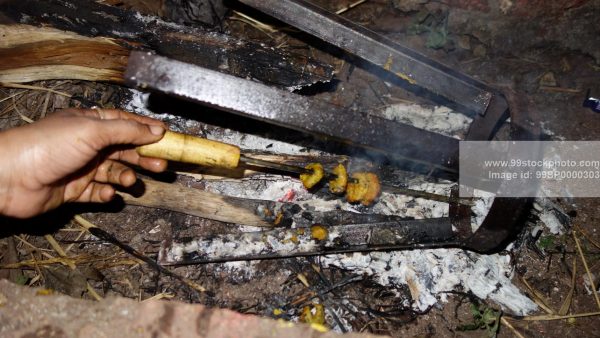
(350, 6)
(49, 261)
(587, 270)
(13, 95)
(538, 298)
(93, 292)
(303, 279)
(103, 235)
(37, 269)
(560, 90)
(59, 250)
(567, 303)
(22, 86)
(263, 27)
(45, 105)
(159, 296)
(81, 232)
(35, 248)
(557, 317)
(509, 325)
(585, 234)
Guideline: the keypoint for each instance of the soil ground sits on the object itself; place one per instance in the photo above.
(512, 45)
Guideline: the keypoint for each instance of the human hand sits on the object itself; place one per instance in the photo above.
(72, 156)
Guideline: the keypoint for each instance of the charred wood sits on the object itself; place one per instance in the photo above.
(29, 54)
(235, 210)
(193, 45)
(316, 240)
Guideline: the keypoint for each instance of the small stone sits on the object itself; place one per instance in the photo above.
(548, 80)
(464, 42)
(408, 5)
(480, 51)
(505, 6)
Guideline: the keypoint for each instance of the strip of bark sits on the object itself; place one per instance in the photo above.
(193, 45)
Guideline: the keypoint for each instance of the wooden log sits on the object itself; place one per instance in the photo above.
(198, 203)
(193, 45)
(30, 53)
(228, 209)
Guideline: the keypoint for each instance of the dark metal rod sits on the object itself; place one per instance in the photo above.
(293, 111)
(286, 242)
(329, 175)
(411, 66)
(426, 195)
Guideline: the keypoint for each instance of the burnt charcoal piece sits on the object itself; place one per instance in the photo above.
(205, 12)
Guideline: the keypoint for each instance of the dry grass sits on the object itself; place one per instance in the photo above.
(587, 269)
(350, 6)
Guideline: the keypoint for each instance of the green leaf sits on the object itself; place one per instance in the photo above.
(437, 39)
(546, 242)
(21, 279)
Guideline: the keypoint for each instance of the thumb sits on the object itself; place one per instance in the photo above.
(114, 132)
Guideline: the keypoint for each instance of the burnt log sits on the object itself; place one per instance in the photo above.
(208, 49)
(316, 240)
(29, 53)
(261, 213)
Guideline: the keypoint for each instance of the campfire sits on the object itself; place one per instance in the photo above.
(290, 192)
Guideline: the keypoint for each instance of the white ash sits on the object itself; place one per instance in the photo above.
(431, 274)
(439, 119)
(548, 132)
(344, 316)
(242, 270)
(551, 222)
(483, 202)
(550, 215)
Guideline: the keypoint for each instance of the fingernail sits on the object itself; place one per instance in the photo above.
(157, 130)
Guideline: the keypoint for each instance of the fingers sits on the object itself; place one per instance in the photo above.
(114, 172)
(114, 132)
(96, 185)
(96, 192)
(116, 114)
(114, 126)
(132, 157)
(109, 114)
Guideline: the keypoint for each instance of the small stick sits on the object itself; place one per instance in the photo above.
(560, 90)
(81, 232)
(93, 292)
(538, 298)
(567, 303)
(350, 6)
(54, 244)
(587, 236)
(587, 270)
(45, 105)
(557, 317)
(94, 230)
(512, 328)
(22, 86)
(159, 296)
(13, 95)
(425, 195)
